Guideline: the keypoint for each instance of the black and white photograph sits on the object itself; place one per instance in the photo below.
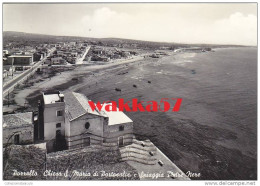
(134, 91)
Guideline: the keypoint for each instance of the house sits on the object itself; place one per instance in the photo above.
(125, 54)
(8, 70)
(18, 128)
(116, 56)
(5, 73)
(74, 54)
(103, 58)
(98, 51)
(4, 60)
(47, 61)
(100, 58)
(60, 53)
(57, 61)
(5, 52)
(50, 124)
(71, 118)
(72, 43)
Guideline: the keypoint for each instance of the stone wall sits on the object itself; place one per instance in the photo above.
(25, 134)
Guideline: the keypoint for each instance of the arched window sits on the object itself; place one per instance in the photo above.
(87, 125)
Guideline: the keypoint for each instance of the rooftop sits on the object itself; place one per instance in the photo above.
(116, 117)
(51, 98)
(77, 105)
(95, 158)
(19, 56)
(17, 120)
(25, 158)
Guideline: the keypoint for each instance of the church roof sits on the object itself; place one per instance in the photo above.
(77, 105)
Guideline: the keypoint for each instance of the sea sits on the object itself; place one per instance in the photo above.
(215, 131)
(217, 122)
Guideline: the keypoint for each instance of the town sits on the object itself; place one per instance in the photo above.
(65, 124)
(129, 91)
(17, 59)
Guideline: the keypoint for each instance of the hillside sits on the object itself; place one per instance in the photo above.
(35, 39)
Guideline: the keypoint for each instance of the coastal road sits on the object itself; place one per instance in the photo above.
(9, 86)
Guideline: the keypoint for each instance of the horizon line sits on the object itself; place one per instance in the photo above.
(133, 39)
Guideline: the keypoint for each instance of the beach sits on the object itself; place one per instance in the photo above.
(58, 81)
(214, 133)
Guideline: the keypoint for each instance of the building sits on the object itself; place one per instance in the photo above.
(100, 58)
(5, 52)
(18, 128)
(74, 54)
(47, 61)
(19, 60)
(116, 56)
(99, 51)
(60, 53)
(5, 73)
(165, 48)
(51, 120)
(37, 56)
(72, 43)
(103, 58)
(192, 49)
(70, 117)
(125, 54)
(84, 127)
(8, 70)
(57, 61)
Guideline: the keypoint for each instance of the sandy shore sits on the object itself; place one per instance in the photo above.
(61, 79)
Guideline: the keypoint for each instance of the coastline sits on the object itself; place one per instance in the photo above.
(171, 76)
(65, 78)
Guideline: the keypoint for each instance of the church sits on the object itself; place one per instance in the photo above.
(66, 121)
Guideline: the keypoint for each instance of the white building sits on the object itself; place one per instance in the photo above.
(70, 117)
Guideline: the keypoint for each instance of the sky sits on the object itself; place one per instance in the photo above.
(207, 23)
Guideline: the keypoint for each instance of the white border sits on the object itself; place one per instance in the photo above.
(115, 183)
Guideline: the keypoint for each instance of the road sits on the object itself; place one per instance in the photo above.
(80, 60)
(9, 86)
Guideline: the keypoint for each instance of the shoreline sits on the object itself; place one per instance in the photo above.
(172, 77)
(81, 71)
